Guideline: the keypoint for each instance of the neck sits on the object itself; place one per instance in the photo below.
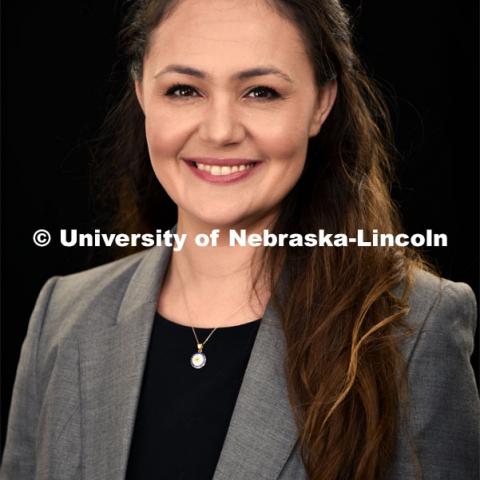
(217, 281)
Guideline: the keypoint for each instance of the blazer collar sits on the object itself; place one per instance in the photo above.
(262, 431)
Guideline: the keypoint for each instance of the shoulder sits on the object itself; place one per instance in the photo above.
(106, 279)
(442, 307)
(437, 302)
(442, 420)
(89, 298)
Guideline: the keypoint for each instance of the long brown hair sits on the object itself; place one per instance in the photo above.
(342, 323)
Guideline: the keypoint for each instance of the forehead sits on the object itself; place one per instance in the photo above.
(227, 33)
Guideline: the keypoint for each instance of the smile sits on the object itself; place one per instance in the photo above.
(222, 174)
(222, 169)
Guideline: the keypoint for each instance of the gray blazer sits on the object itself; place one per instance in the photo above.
(81, 367)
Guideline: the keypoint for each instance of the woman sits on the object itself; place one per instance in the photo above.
(243, 362)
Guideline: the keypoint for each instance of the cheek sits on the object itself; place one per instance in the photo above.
(285, 138)
(284, 141)
(164, 136)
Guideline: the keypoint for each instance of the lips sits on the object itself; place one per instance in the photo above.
(225, 170)
(228, 162)
(219, 170)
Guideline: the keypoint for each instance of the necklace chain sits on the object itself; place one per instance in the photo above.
(200, 345)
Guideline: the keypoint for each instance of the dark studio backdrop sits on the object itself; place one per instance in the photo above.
(56, 83)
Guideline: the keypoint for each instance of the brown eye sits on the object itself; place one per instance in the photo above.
(180, 90)
(264, 93)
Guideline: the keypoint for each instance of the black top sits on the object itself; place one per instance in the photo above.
(183, 413)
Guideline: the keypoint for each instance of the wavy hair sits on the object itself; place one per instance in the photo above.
(342, 321)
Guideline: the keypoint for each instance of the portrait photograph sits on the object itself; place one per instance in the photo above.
(240, 240)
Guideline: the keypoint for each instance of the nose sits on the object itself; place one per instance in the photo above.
(220, 123)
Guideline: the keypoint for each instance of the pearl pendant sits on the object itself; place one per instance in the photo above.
(198, 360)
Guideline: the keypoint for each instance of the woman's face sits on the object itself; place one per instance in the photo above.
(229, 82)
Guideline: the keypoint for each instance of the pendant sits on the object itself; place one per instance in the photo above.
(198, 360)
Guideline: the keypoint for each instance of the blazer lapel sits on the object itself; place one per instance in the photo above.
(111, 368)
(262, 432)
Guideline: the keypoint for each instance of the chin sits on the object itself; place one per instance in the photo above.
(225, 221)
(222, 223)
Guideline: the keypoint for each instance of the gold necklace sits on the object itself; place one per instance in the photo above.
(199, 359)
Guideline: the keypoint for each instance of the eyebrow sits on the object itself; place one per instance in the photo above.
(242, 75)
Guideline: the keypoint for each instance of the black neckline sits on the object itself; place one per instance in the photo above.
(180, 326)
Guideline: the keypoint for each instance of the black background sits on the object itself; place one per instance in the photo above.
(56, 80)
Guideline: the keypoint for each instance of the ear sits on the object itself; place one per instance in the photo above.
(139, 93)
(325, 99)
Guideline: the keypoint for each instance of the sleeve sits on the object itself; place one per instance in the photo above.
(445, 405)
(19, 462)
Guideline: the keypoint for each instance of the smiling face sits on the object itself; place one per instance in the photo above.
(221, 80)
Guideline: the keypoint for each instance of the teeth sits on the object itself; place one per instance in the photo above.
(219, 170)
